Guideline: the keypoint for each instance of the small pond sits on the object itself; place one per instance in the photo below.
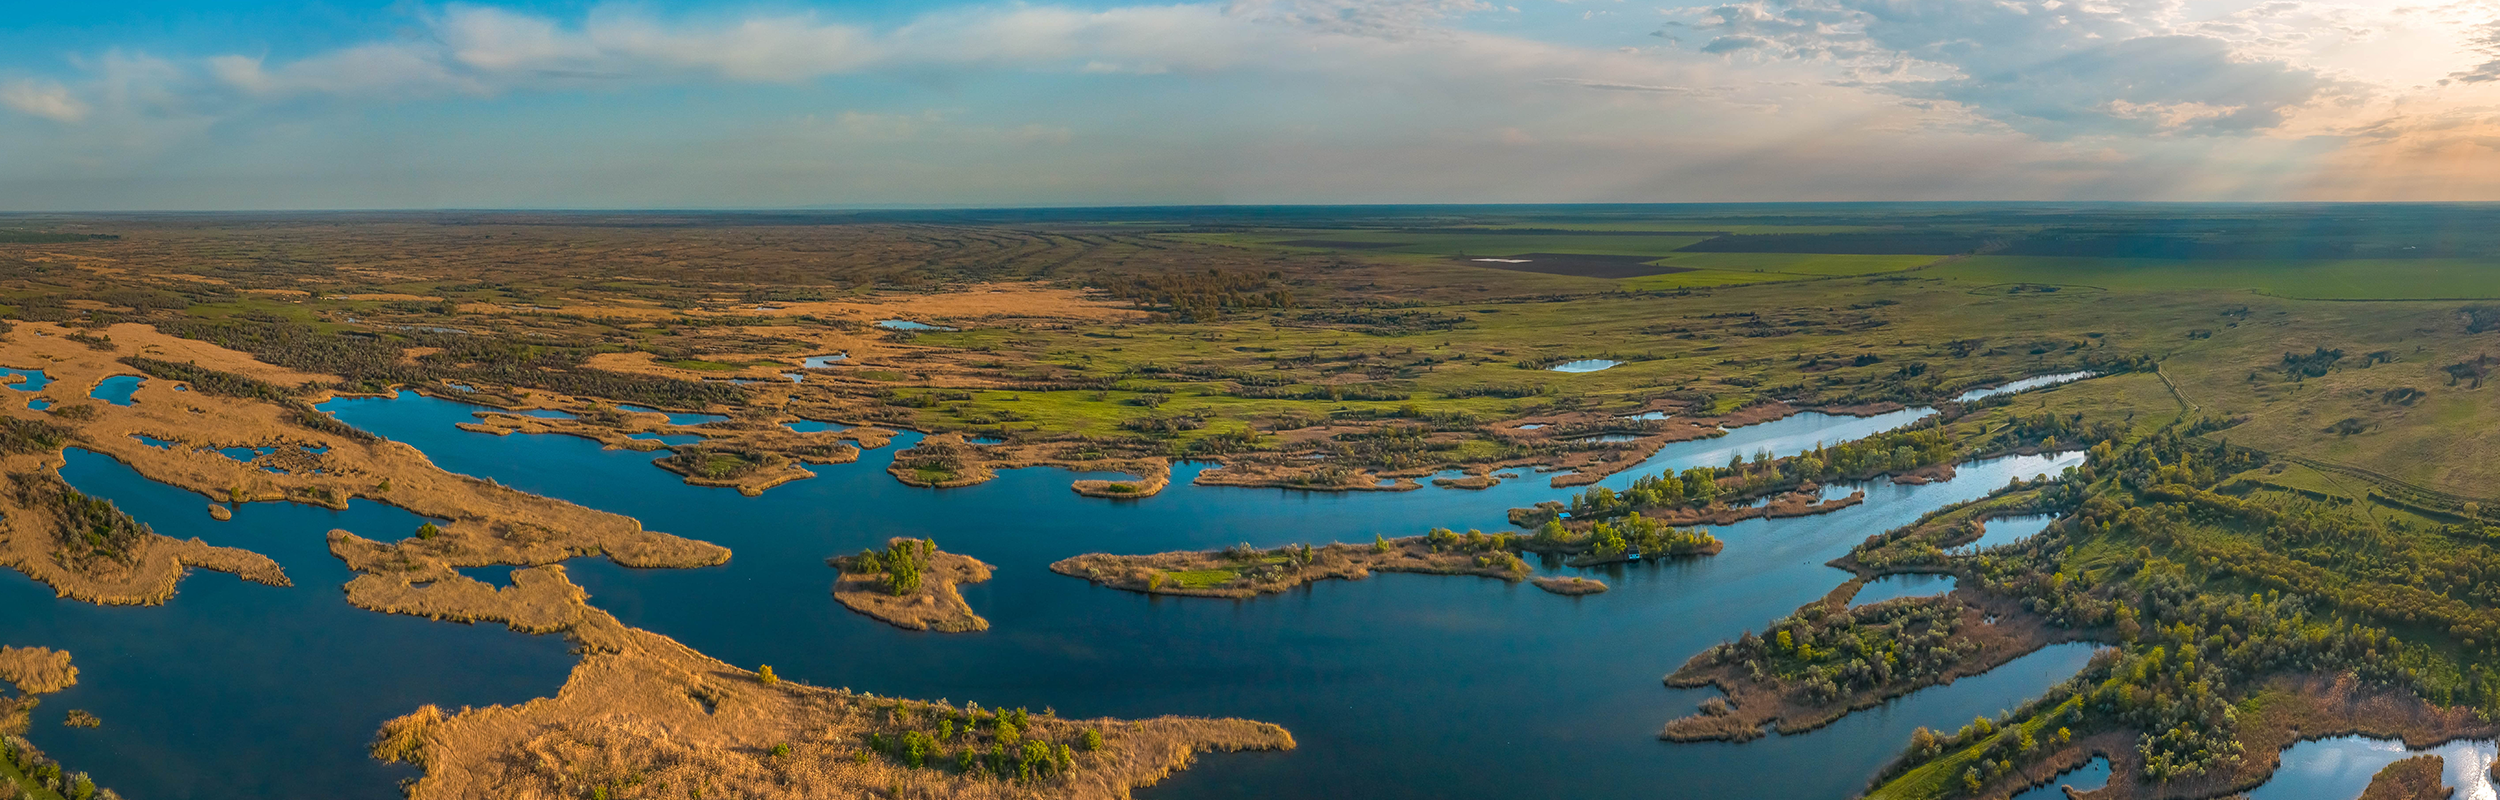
(117, 389)
(821, 362)
(1606, 437)
(1585, 365)
(34, 381)
(908, 325)
(2026, 384)
(2085, 778)
(2009, 530)
(1892, 587)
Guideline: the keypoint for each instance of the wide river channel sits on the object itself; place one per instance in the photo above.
(1396, 686)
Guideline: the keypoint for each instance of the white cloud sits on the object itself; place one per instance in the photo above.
(46, 99)
(2048, 68)
(1269, 101)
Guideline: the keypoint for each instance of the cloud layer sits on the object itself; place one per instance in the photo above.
(1282, 101)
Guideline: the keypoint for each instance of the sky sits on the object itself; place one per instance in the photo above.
(373, 104)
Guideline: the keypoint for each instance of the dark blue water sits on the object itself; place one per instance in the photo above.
(1897, 586)
(812, 426)
(2092, 775)
(668, 438)
(239, 690)
(245, 453)
(34, 381)
(117, 389)
(1397, 686)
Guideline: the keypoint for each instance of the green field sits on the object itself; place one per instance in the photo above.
(2383, 279)
(1713, 269)
(1486, 244)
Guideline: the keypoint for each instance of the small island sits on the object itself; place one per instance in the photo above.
(911, 584)
(1246, 571)
(2416, 778)
(1569, 586)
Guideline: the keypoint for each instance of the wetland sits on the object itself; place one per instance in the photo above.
(1751, 507)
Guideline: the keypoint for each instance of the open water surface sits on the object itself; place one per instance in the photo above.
(238, 690)
(1396, 686)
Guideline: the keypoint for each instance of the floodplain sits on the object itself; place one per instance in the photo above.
(2190, 488)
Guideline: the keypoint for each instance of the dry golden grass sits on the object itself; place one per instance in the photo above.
(37, 670)
(2416, 778)
(491, 524)
(540, 599)
(936, 606)
(1569, 586)
(653, 719)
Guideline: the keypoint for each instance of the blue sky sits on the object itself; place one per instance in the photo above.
(348, 104)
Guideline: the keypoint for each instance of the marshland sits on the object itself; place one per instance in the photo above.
(1866, 522)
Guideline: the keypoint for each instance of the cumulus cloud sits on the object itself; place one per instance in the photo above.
(2052, 68)
(46, 99)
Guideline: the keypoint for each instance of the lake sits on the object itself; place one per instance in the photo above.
(1396, 686)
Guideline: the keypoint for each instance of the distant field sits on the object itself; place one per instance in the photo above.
(1684, 225)
(1798, 263)
(1482, 244)
(1717, 269)
(2382, 279)
(1707, 277)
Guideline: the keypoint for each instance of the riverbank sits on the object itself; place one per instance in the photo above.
(236, 436)
(653, 715)
(2295, 708)
(1774, 681)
